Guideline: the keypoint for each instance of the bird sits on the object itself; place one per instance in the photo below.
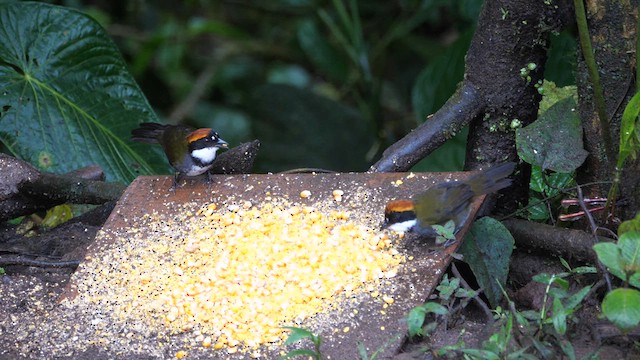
(190, 151)
(444, 202)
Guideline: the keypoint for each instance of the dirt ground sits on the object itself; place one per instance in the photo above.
(29, 301)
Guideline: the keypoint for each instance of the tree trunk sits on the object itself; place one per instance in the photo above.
(612, 29)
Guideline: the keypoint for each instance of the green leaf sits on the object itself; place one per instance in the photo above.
(57, 215)
(572, 302)
(415, 319)
(447, 288)
(297, 334)
(543, 278)
(433, 307)
(464, 293)
(622, 307)
(554, 94)
(538, 210)
(559, 67)
(544, 348)
(487, 248)
(68, 100)
(609, 255)
(634, 279)
(324, 56)
(629, 244)
(584, 270)
(201, 25)
(445, 232)
(416, 316)
(567, 348)
(559, 317)
(629, 225)
(521, 355)
(554, 141)
(323, 133)
(481, 354)
(562, 283)
(629, 134)
(545, 185)
(294, 75)
(362, 351)
(549, 184)
(439, 79)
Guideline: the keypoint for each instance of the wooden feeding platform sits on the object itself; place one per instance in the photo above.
(155, 281)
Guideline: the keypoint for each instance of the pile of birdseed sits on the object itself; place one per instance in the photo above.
(234, 275)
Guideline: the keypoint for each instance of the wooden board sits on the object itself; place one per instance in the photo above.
(373, 324)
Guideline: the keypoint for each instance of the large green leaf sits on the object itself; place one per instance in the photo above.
(554, 141)
(67, 98)
(622, 307)
(622, 259)
(629, 133)
(487, 248)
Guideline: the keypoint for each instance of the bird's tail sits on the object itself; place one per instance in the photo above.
(148, 132)
(492, 179)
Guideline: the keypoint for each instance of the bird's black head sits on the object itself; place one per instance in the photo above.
(400, 215)
(204, 138)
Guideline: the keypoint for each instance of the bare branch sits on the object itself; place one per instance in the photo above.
(461, 108)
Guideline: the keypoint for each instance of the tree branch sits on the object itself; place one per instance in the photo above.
(24, 190)
(461, 108)
(574, 244)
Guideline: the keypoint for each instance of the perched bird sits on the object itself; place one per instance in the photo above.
(190, 151)
(443, 202)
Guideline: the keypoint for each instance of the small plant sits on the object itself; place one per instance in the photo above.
(446, 233)
(298, 334)
(534, 335)
(517, 334)
(622, 306)
(449, 291)
(563, 303)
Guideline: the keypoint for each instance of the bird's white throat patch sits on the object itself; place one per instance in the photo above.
(205, 155)
(404, 226)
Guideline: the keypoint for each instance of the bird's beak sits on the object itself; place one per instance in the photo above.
(384, 225)
(223, 144)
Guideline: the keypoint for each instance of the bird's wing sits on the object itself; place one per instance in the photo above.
(443, 202)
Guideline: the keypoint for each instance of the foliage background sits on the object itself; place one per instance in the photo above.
(325, 84)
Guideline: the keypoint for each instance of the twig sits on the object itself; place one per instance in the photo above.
(594, 231)
(476, 298)
(547, 198)
(197, 91)
(518, 331)
(39, 263)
